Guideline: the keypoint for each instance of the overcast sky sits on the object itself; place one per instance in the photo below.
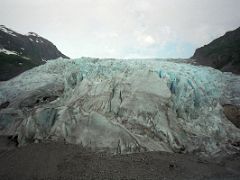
(123, 28)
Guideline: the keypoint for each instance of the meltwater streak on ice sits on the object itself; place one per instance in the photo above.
(123, 105)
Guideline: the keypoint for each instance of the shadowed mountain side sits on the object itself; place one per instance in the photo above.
(19, 53)
(222, 53)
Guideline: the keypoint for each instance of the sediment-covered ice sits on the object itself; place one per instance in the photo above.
(123, 106)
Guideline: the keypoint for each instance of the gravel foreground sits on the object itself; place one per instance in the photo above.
(59, 161)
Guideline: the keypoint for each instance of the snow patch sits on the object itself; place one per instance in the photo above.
(24, 57)
(8, 31)
(8, 52)
(32, 34)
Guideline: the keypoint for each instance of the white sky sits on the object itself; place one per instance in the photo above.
(123, 28)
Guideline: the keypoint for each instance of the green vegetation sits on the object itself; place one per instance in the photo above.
(11, 65)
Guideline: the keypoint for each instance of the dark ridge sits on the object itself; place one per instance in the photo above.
(222, 53)
(30, 50)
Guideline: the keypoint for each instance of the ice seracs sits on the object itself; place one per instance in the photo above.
(122, 106)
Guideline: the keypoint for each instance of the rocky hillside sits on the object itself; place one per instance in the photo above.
(21, 52)
(222, 53)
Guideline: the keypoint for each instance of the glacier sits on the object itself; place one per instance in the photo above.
(123, 106)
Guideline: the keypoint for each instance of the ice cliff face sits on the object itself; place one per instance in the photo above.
(123, 106)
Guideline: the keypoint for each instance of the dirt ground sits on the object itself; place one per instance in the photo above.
(59, 161)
